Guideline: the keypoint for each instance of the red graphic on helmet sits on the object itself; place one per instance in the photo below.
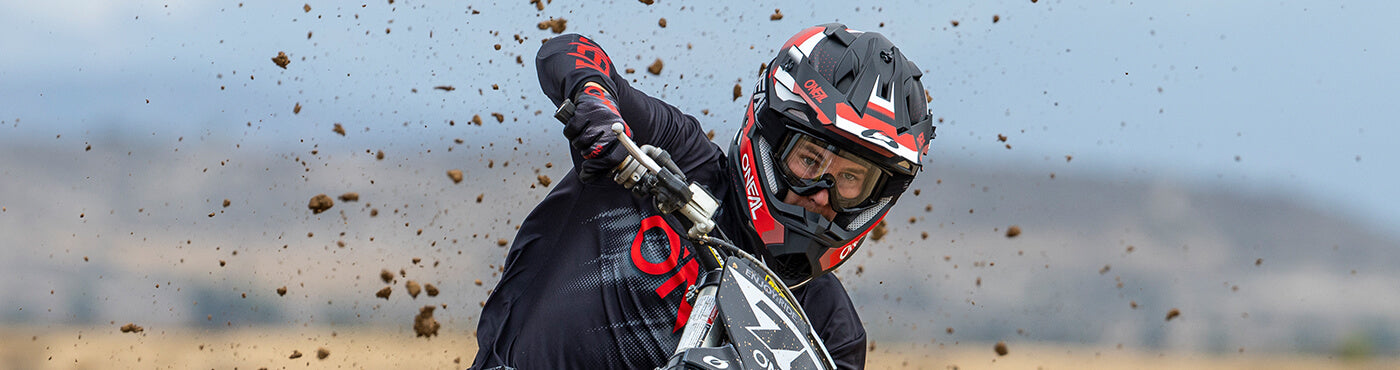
(768, 229)
(816, 90)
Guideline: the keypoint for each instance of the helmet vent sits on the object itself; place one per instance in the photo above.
(848, 79)
(764, 155)
(868, 214)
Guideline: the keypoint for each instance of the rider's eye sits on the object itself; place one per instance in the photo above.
(808, 161)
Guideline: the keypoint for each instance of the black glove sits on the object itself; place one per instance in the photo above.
(590, 133)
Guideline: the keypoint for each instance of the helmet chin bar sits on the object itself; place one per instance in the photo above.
(802, 248)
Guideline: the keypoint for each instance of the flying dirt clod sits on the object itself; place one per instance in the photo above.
(320, 203)
(424, 324)
(132, 328)
(655, 67)
(281, 60)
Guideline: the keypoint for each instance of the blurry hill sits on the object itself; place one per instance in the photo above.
(134, 230)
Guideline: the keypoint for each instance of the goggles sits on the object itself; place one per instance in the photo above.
(810, 165)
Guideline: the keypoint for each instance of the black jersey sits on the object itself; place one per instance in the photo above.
(596, 278)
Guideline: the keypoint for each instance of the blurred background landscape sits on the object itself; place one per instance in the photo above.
(1230, 163)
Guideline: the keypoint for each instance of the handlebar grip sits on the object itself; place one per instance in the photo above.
(565, 111)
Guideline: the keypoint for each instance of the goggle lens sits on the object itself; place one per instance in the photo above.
(810, 165)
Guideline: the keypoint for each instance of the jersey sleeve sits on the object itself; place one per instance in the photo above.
(565, 63)
(833, 315)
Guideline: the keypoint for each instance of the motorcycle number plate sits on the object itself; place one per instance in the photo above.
(767, 330)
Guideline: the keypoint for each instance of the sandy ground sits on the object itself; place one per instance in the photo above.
(367, 348)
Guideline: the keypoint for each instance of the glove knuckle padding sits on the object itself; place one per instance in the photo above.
(590, 134)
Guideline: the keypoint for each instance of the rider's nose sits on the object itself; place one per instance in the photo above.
(821, 197)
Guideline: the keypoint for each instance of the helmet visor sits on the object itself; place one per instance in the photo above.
(810, 165)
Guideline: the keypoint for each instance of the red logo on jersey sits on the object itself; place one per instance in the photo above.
(683, 277)
(589, 55)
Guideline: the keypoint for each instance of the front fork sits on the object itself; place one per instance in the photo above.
(701, 330)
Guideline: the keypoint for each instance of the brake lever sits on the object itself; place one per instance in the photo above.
(699, 205)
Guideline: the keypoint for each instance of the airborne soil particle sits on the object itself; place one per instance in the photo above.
(430, 289)
(455, 175)
(320, 203)
(295, 354)
(501, 242)
(544, 180)
(777, 15)
(227, 203)
(476, 119)
(132, 328)
(1000, 348)
(424, 324)
(306, 7)
(282, 291)
(499, 117)
(555, 25)
(384, 293)
(661, 23)
(339, 129)
(413, 288)
(1013, 231)
(322, 353)
(445, 87)
(296, 109)
(879, 231)
(350, 197)
(281, 60)
(1173, 314)
(479, 196)
(655, 67)
(379, 155)
(386, 275)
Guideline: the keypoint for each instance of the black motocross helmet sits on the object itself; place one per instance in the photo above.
(845, 94)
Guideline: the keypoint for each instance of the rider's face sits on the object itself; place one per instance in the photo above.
(817, 202)
(848, 175)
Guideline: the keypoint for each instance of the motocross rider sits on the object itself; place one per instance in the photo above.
(835, 131)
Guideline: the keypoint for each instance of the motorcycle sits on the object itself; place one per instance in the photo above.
(743, 316)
